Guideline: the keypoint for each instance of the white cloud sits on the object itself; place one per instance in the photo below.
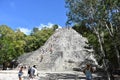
(49, 25)
(28, 31)
(25, 30)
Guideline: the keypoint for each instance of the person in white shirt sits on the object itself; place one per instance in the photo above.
(33, 72)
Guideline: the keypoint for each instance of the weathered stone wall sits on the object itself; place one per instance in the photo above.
(64, 50)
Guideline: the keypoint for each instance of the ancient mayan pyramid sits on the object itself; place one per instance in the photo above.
(63, 51)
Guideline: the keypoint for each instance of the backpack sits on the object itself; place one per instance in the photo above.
(29, 70)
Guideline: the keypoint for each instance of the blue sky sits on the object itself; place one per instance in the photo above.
(26, 14)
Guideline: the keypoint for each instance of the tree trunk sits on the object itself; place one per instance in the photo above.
(117, 54)
(110, 30)
(102, 52)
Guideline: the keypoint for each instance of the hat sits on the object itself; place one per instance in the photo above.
(34, 66)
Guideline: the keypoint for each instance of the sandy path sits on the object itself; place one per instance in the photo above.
(12, 75)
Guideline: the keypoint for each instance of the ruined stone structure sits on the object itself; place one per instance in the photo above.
(63, 51)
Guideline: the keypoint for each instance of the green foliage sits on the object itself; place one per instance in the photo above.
(41, 36)
(55, 27)
(11, 44)
(30, 43)
(15, 43)
(102, 15)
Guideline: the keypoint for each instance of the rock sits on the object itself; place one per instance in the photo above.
(63, 51)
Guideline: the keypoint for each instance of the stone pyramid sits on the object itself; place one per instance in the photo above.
(63, 51)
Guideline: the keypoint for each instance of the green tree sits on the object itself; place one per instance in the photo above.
(55, 26)
(38, 38)
(30, 43)
(15, 43)
(102, 16)
(11, 43)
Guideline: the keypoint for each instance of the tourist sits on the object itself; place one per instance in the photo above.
(32, 72)
(41, 58)
(20, 73)
(88, 72)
